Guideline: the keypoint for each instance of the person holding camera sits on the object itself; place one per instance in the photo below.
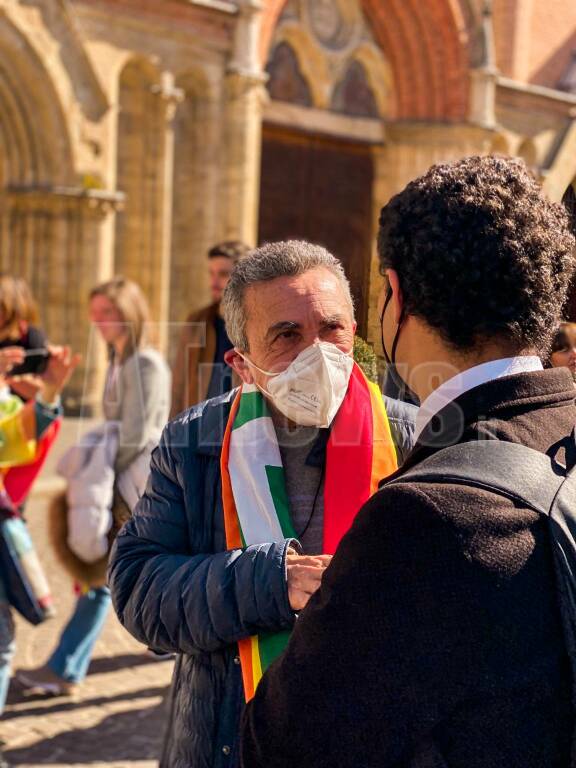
(27, 431)
(20, 326)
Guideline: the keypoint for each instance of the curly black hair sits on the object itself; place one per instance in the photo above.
(482, 255)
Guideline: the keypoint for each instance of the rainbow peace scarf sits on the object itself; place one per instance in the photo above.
(360, 452)
(22, 456)
(21, 459)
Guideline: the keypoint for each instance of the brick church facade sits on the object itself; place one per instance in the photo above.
(135, 133)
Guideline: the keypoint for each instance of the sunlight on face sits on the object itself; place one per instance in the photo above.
(564, 358)
(288, 314)
(107, 318)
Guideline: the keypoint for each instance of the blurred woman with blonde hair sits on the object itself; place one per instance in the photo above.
(106, 474)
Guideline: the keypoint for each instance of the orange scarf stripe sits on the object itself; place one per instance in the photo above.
(247, 650)
(248, 646)
(231, 522)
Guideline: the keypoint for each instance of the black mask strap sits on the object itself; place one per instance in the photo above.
(390, 360)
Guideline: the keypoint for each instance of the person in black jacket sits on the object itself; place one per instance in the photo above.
(435, 638)
(176, 584)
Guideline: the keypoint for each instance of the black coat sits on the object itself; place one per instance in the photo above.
(435, 639)
(176, 588)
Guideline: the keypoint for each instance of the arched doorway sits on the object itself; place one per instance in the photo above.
(330, 88)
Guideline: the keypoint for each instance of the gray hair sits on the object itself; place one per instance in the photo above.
(283, 259)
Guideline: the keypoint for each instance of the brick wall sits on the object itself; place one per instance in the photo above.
(534, 38)
(553, 40)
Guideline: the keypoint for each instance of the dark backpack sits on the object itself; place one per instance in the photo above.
(532, 479)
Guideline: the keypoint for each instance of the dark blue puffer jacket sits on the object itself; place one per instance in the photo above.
(176, 588)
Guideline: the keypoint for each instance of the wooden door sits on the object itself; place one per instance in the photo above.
(320, 189)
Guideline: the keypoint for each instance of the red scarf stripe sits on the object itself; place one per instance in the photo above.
(348, 461)
(18, 480)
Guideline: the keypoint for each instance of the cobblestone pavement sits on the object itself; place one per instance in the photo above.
(116, 719)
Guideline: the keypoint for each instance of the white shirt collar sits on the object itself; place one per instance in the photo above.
(466, 380)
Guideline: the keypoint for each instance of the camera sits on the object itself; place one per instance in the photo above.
(35, 361)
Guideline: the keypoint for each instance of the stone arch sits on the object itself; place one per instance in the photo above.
(378, 75)
(33, 128)
(285, 79)
(311, 62)
(353, 94)
(139, 175)
(35, 158)
(58, 42)
(426, 42)
(49, 224)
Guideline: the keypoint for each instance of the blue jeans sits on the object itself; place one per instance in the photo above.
(7, 647)
(71, 659)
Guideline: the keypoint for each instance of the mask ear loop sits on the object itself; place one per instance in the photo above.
(390, 360)
(246, 359)
(384, 308)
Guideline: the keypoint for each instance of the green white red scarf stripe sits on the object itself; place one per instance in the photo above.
(359, 454)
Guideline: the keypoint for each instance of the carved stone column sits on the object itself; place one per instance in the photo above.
(145, 169)
(484, 75)
(171, 96)
(245, 94)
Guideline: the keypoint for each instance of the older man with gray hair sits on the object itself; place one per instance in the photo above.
(251, 492)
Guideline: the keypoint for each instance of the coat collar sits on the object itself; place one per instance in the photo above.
(469, 379)
(497, 399)
(212, 422)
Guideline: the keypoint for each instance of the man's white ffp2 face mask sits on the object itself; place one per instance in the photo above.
(311, 390)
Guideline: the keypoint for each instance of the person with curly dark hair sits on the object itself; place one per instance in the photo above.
(435, 638)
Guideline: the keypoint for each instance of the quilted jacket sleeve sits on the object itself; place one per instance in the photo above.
(402, 419)
(177, 600)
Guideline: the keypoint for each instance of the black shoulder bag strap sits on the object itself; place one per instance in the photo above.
(515, 471)
(533, 480)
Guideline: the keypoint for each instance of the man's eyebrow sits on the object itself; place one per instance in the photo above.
(332, 320)
(283, 325)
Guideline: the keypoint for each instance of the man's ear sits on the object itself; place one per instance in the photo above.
(235, 360)
(397, 297)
